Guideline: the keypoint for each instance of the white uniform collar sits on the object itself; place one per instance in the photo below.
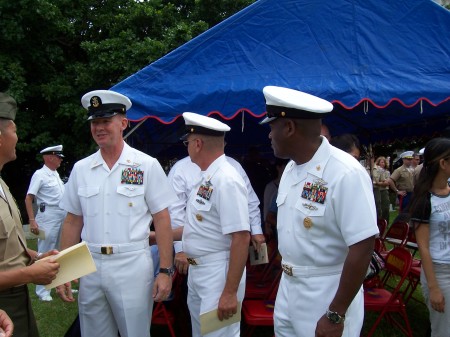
(128, 157)
(48, 170)
(211, 170)
(316, 164)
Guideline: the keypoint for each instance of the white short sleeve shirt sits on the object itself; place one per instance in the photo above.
(184, 175)
(117, 204)
(324, 206)
(46, 186)
(216, 207)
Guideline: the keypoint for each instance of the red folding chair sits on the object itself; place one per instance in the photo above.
(259, 312)
(396, 235)
(382, 226)
(414, 280)
(389, 303)
(414, 273)
(162, 311)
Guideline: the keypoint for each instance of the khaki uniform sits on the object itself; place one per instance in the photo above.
(13, 255)
(404, 181)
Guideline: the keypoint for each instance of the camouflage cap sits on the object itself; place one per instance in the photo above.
(8, 106)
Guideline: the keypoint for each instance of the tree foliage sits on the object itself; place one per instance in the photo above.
(54, 51)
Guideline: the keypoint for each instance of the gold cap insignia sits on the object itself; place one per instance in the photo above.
(96, 101)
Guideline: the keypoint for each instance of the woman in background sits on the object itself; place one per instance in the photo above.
(380, 175)
(430, 215)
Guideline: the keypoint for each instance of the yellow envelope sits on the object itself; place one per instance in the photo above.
(74, 262)
(209, 321)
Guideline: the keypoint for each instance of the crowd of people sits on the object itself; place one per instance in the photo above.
(142, 226)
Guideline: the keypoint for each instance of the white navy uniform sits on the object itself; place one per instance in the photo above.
(184, 175)
(211, 219)
(116, 206)
(324, 206)
(48, 189)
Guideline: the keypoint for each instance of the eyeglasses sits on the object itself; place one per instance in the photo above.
(186, 142)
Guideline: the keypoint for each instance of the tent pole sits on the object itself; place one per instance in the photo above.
(133, 129)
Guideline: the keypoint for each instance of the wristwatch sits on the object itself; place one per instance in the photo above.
(169, 271)
(334, 317)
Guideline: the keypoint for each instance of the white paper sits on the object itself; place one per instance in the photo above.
(260, 256)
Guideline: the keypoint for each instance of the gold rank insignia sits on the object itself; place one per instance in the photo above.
(199, 217)
(130, 204)
(307, 222)
(318, 167)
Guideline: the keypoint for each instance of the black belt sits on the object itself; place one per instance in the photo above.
(14, 290)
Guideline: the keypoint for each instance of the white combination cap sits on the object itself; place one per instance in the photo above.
(56, 150)
(289, 103)
(407, 155)
(105, 103)
(200, 124)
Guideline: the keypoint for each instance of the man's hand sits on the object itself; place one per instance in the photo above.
(257, 240)
(181, 263)
(34, 227)
(162, 287)
(6, 325)
(43, 272)
(152, 238)
(49, 253)
(64, 291)
(326, 328)
(227, 306)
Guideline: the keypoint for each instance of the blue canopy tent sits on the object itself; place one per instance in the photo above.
(383, 64)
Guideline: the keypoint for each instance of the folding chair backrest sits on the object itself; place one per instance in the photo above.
(397, 233)
(398, 263)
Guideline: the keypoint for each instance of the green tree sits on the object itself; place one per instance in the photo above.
(54, 51)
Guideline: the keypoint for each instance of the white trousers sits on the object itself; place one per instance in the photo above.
(50, 221)
(440, 322)
(206, 283)
(118, 296)
(301, 302)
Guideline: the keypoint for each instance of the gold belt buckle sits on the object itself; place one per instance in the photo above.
(287, 269)
(192, 261)
(107, 250)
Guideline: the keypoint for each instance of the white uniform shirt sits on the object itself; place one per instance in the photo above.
(222, 210)
(46, 186)
(117, 204)
(184, 175)
(346, 216)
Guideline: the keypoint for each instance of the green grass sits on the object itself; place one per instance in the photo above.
(54, 318)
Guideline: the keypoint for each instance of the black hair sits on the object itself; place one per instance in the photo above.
(435, 150)
(346, 142)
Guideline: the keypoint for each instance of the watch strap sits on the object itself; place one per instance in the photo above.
(334, 317)
(169, 271)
